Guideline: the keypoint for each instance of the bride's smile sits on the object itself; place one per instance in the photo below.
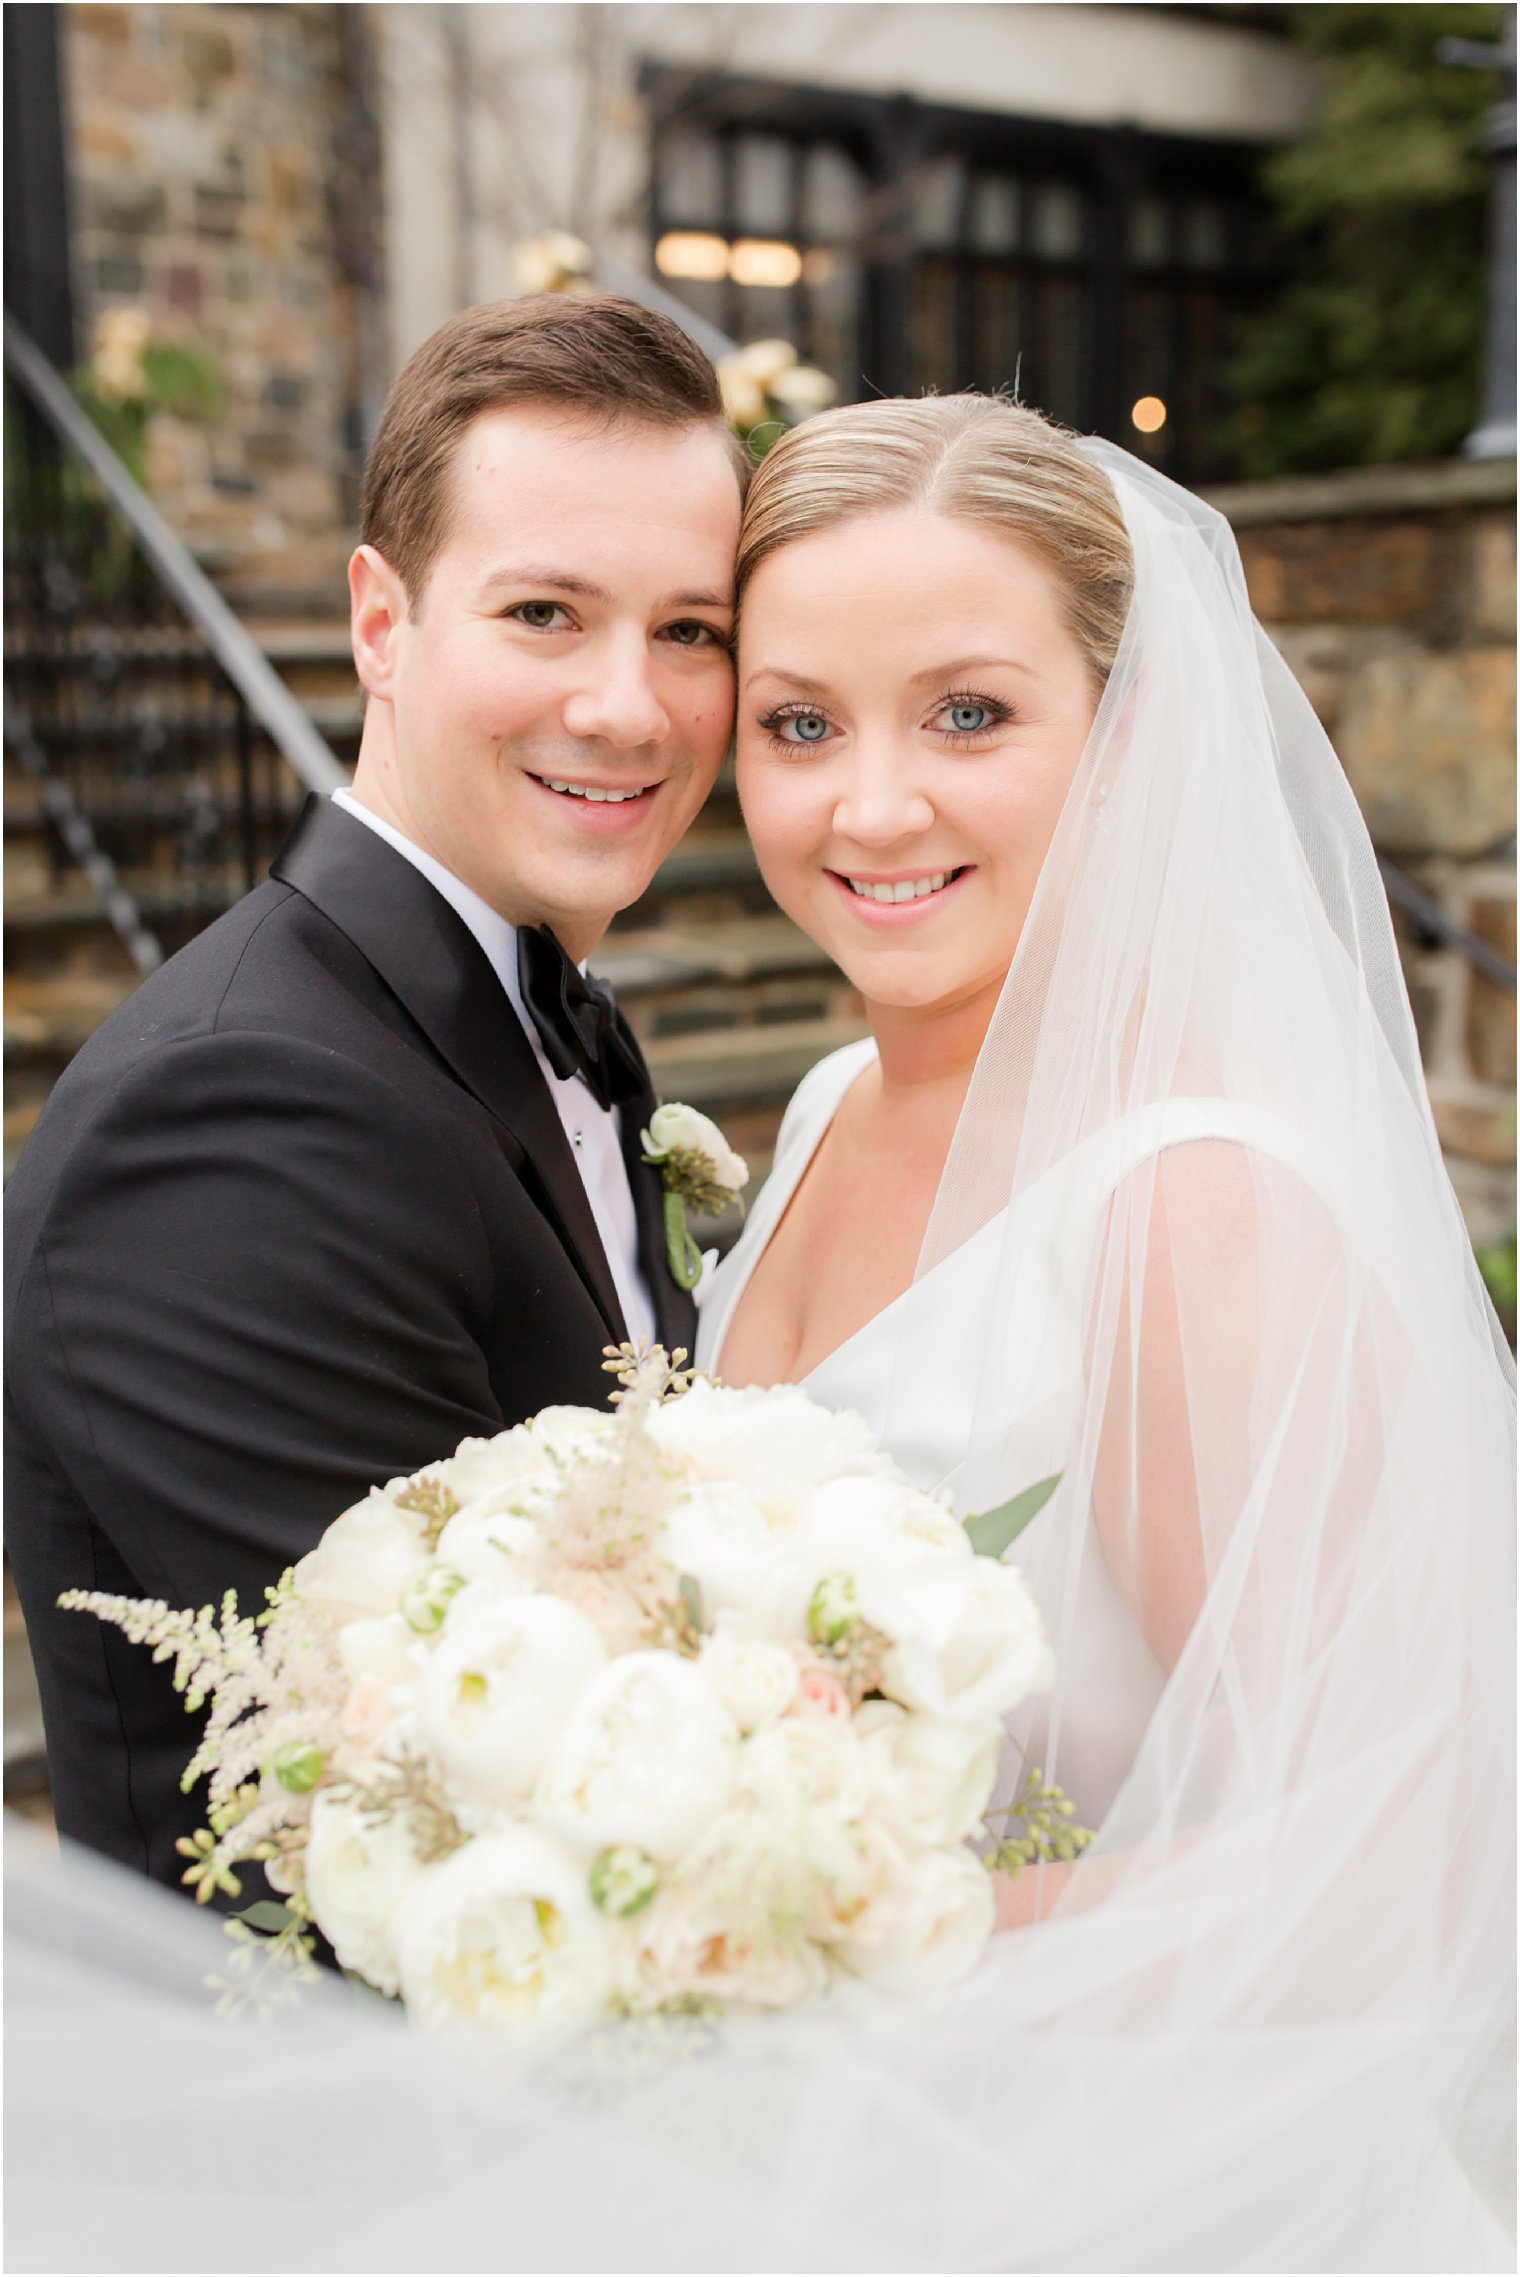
(913, 707)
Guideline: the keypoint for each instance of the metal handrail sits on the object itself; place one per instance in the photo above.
(1431, 918)
(251, 673)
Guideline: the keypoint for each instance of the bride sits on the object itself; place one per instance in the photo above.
(1134, 1183)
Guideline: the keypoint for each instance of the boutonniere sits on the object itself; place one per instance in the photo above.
(700, 1171)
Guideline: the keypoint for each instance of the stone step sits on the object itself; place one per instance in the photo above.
(48, 1016)
(727, 1069)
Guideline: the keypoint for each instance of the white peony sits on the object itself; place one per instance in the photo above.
(503, 1935)
(358, 1871)
(927, 1929)
(850, 1524)
(488, 1543)
(488, 1466)
(968, 1642)
(773, 1440)
(569, 1434)
(366, 1558)
(647, 1758)
(931, 1780)
(756, 1681)
(379, 1648)
(751, 1575)
(496, 1691)
(806, 1763)
(677, 1129)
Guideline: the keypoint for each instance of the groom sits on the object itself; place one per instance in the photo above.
(358, 1172)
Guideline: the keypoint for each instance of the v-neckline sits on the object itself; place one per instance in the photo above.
(768, 1215)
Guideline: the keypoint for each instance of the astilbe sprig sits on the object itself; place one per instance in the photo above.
(1049, 1833)
(272, 1678)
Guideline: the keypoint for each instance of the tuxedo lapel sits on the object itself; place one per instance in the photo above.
(432, 963)
(675, 1314)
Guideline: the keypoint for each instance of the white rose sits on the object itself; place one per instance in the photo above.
(647, 1758)
(496, 1691)
(928, 1927)
(968, 1642)
(931, 1780)
(773, 1440)
(751, 1575)
(366, 1558)
(502, 1935)
(755, 1681)
(358, 1870)
(681, 1129)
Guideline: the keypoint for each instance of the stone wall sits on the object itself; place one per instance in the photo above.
(207, 146)
(1391, 592)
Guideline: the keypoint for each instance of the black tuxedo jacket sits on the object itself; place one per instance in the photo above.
(297, 1219)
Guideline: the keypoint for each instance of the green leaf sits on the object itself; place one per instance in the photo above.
(266, 1914)
(992, 1532)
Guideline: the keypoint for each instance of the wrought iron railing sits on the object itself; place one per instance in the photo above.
(169, 756)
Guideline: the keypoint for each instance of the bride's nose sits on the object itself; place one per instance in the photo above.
(879, 802)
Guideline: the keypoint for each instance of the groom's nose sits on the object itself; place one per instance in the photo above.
(617, 703)
(878, 802)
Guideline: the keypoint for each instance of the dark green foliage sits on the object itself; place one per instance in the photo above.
(1372, 350)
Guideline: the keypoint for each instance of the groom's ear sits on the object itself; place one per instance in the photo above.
(377, 608)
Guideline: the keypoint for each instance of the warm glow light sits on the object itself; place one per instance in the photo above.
(687, 253)
(1149, 414)
(759, 261)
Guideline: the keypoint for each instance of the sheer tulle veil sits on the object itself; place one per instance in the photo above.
(1264, 2026)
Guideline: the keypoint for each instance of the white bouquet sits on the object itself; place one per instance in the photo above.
(691, 1704)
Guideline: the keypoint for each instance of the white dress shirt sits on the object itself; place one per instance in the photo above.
(593, 1130)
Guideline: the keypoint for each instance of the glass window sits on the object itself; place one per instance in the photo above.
(691, 180)
(1148, 247)
(1056, 230)
(994, 214)
(936, 202)
(830, 197)
(762, 185)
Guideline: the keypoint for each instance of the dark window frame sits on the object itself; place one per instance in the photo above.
(1114, 167)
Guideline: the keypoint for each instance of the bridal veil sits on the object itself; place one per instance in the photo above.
(1264, 2025)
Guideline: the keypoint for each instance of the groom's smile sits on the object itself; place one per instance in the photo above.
(549, 707)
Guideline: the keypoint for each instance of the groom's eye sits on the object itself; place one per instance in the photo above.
(539, 616)
(690, 632)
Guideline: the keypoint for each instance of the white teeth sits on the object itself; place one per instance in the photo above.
(598, 798)
(906, 889)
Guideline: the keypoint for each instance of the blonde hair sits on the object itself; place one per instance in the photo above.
(974, 458)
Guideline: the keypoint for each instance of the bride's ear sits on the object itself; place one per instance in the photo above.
(377, 609)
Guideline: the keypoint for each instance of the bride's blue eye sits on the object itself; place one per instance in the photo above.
(969, 719)
(811, 727)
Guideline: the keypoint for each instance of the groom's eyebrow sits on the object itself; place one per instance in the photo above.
(566, 581)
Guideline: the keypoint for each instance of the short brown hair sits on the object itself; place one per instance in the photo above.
(974, 458)
(599, 358)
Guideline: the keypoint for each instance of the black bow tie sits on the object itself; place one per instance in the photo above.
(581, 1029)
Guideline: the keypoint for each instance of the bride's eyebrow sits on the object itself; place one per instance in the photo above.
(962, 664)
(797, 680)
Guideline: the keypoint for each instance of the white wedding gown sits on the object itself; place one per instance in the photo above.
(919, 1395)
